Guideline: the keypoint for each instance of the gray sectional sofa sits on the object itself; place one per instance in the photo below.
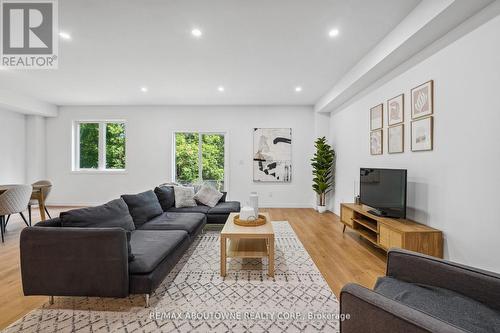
(424, 294)
(124, 247)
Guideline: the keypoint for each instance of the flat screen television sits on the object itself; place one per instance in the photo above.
(384, 190)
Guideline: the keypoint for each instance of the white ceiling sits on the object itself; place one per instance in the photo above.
(259, 50)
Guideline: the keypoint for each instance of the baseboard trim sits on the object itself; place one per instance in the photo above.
(285, 205)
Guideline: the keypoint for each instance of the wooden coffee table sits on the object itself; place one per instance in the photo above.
(247, 242)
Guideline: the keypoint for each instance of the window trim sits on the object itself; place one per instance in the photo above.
(200, 171)
(101, 168)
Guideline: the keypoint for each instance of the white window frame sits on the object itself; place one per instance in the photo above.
(75, 167)
(200, 155)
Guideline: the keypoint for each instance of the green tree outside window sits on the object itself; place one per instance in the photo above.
(89, 146)
(114, 155)
(188, 158)
(115, 146)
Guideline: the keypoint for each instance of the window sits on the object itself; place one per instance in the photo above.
(200, 157)
(99, 145)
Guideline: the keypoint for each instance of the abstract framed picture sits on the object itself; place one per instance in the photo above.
(272, 155)
(376, 138)
(422, 100)
(395, 139)
(377, 117)
(422, 134)
(395, 110)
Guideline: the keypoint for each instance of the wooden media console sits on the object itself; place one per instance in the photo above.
(386, 232)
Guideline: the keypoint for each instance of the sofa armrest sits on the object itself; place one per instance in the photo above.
(74, 261)
(369, 311)
(413, 267)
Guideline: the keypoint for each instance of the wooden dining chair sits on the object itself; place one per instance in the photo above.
(45, 186)
(14, 201)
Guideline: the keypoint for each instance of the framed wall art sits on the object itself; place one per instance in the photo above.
(422, 100)
(377, 117)
(395, 139)
(272, 155)
(395, 110)
(376, 146)
(422, 134)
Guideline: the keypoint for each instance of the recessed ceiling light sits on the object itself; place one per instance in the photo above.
(298, 89)
(221, 88)
(144, 89)
(64, 35)
(196, 33)
(333, 33)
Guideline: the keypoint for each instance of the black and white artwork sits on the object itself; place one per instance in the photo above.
(272, 154)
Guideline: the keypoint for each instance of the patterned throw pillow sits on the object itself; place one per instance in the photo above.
(184, 197)
(208, 196)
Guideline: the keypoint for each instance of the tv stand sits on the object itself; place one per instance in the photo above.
(386, 232)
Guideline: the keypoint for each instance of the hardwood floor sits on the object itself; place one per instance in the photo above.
(341, 258)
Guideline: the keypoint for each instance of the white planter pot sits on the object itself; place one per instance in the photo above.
(321, 209)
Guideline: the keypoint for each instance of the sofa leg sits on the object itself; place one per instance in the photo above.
(51, 300)
(146, 299)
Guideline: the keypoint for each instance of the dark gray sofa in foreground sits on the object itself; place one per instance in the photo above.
(424, 294)
(124, 247)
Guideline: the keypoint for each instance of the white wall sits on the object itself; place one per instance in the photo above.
(149, 151)
(35, 148)
(12, 147)
(454, 187)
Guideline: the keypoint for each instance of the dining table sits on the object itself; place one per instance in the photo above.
(36, 194)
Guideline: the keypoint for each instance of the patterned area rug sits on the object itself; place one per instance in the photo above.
(194, 298)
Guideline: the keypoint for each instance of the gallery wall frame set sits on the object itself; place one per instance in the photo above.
(421, 126)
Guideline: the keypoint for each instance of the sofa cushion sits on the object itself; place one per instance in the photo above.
(217, 218)
(150, 247)
(225, 208)
(166, 197)
(190, 222)
(184, 197)
(196, 209)
(112, 214)
(444, 304)
(223, 198)
(143, 206)
(208, 196)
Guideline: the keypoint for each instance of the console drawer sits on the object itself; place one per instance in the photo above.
(346, 215)
(389, 238)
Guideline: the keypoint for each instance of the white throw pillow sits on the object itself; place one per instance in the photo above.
(208, 196)
(184, 197)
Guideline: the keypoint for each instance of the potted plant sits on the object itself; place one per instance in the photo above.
(323, 169)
